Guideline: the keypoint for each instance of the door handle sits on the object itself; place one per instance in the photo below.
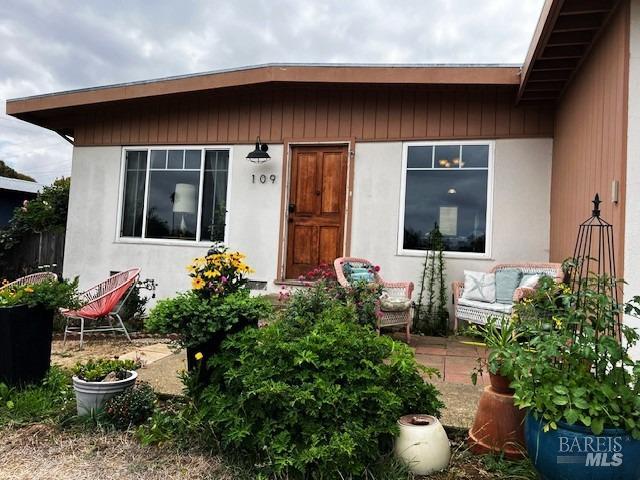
(292, 207)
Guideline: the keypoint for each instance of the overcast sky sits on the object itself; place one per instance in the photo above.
(49, 45)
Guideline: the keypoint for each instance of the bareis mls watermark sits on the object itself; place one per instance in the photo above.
(590, 451)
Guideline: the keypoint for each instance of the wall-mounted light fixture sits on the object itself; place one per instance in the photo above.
(259, 155)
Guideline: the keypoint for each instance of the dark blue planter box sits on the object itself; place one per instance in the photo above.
(25, 344)
(572, 452)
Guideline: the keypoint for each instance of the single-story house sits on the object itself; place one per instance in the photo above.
(13, 193)
(364, 159)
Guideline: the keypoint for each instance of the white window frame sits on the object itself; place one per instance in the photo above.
(163, 241)
(489, 219)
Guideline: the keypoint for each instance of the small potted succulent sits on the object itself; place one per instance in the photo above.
(96, 381)
(26, 327)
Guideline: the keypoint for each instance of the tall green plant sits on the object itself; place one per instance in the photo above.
(431, 315)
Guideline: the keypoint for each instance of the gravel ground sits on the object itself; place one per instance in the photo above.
(41, 452)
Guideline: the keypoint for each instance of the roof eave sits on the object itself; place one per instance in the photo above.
(454, 75)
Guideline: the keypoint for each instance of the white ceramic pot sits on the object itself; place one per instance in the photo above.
(422, 445)
(90, 396)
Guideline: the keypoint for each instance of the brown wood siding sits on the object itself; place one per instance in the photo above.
(279, 112)
(589, 150)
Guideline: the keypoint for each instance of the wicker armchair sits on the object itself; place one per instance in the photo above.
(394, 289)
(480, 314)
(33, 279)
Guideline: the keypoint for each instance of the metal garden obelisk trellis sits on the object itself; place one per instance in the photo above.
(594, 261)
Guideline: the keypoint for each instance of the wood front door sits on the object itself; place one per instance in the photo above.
(316, 209)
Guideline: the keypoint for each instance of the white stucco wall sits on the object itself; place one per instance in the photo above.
(632, 201)
(521, 208)
(520, 229)
(92, 250)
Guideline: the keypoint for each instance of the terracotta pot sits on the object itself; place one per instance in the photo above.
(498, 426)
(500, 383)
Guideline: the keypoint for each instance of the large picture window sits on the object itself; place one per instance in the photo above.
(175, 194)
(446, 184)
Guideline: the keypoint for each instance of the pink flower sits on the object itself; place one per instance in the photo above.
(377, 268)
(223, 279)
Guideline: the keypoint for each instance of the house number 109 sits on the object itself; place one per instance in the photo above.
(263, 178)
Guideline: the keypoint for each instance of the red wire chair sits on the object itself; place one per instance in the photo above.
(103, 301)
(33, 279)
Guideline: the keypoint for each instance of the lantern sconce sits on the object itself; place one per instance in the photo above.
(259, 155)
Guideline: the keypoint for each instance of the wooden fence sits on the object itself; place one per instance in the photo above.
(37, 252)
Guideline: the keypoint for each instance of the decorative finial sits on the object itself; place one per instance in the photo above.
(596, 205)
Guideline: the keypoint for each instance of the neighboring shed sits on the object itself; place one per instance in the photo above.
(13, 193)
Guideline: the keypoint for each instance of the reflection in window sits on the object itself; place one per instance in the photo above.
(452, 194)
(214, 204)
(171, 182)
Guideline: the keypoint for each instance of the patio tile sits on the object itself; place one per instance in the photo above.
(431, 351)
(458, 379)
(462, 351)
(420, 341)
(431, 361)
(148, 354)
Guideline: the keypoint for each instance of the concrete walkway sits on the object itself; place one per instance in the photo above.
(454, 357)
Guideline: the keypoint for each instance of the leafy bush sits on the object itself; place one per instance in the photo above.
(36, 403)
(132, 406)
(196, 320)
(50, 294)
(314, 399)
(95, 370)
(307, 304)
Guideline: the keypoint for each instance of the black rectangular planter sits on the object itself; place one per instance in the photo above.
(25, 344)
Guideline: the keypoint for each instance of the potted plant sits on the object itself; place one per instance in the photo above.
(501, 338)
(26, 326)
(575, 376)
(96, 381)
(498, 424)
(219, 304)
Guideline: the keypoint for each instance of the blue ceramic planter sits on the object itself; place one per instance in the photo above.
(572, 452)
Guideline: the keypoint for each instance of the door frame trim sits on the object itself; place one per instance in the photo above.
(289, 144)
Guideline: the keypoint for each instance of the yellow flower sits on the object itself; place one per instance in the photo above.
(28, 290)
(558, 321)
(5, 282)
(212, 274)
(199, 356)
(197, 283)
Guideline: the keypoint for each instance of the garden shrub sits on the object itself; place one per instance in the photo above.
(315, 400)
(308, 304)
(132, 406)
(198, 319)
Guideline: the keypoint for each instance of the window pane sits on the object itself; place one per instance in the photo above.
(475, 156)
(214, 197)
(447, 156)
(159, 159)
(173, 204)
(175, 159)
(192, 160)
(456, 200)
(419, 157)
(133, 204)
